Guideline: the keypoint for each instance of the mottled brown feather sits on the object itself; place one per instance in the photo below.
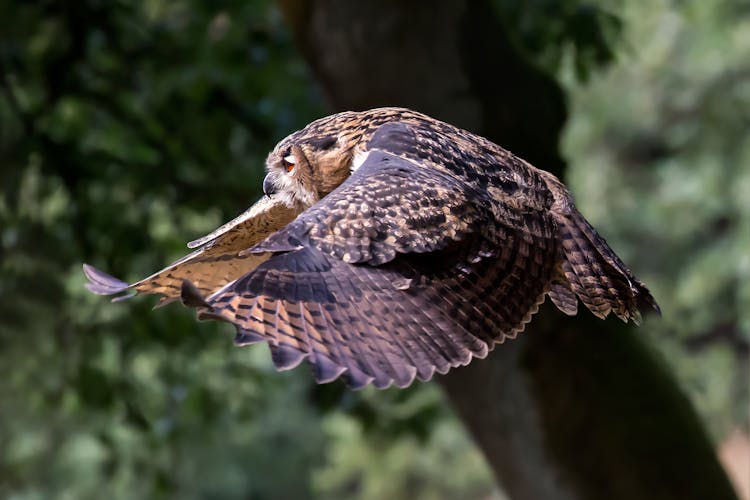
(437, 245)
(216, 262)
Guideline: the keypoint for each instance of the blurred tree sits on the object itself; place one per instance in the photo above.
(682, 139)
(127, 128)
(547, 409)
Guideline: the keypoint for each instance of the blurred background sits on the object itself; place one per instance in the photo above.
(128, 128)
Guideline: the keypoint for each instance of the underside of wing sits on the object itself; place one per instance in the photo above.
(218, 260)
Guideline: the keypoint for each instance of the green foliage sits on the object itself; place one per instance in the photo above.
(668, 127)
(585, 33)
(128, 128)
(446, 465)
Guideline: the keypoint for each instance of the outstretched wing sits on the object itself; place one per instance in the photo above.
(412, 317)
(217, 260)
(394, 275)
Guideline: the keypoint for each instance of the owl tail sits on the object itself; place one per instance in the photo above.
(592, 272)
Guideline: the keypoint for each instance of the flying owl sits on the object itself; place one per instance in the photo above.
(390, 246)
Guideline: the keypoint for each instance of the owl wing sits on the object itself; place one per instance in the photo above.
(391, 204)
(391, 276)
(216, 261)
(589, 270)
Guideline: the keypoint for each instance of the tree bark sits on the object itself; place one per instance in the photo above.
(575, 408)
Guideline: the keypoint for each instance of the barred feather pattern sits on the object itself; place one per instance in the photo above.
(385, 325)
(596, 275)
(216, 260)
(588, 269)
(392, 246)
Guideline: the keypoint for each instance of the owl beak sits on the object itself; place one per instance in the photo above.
(269, 187)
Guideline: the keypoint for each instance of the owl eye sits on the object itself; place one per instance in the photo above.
(288, 163)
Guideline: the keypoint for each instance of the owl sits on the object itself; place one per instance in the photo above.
(389, 246)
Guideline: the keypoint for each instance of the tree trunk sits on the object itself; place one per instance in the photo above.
(575, 408)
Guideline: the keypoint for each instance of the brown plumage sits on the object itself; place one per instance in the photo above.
(390, 246)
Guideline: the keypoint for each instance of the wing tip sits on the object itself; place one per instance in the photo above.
(326, 370)
(641, 306)
(648, 302)
(102, 283)
(286, 357)
(645, 304)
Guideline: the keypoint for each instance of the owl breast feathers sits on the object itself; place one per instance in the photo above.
(390, 245)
